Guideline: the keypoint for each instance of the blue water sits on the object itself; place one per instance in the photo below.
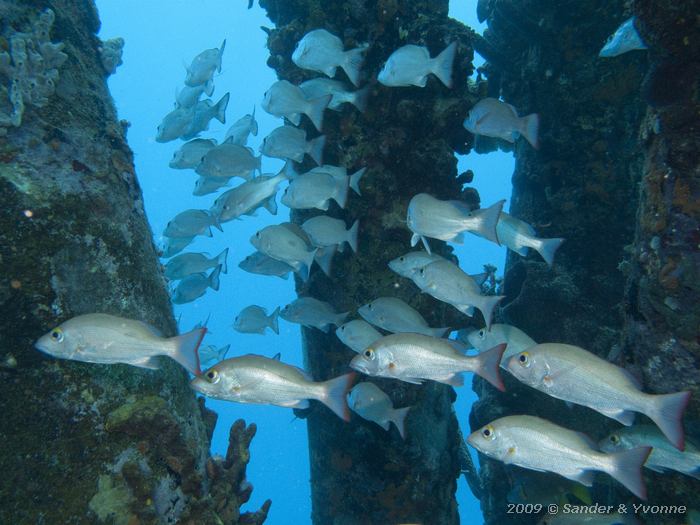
(161, 37)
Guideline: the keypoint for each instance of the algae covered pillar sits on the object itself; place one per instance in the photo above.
(82, 443)
(360, 473)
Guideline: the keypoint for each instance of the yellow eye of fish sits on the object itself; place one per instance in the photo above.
(57, 335)
(488, 432)
(213, 376)
(524, 359)
(369, 353)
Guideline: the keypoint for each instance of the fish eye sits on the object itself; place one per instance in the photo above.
(369, 306)
(489, 432)
(614, 439)
(213, 376)
(422, 271)
(257, 235)
(524, 359)
(342, 328)
(482, 333)
(369, 353)
(57, 335)
(402, 258)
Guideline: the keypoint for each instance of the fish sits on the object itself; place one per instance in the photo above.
(340, 174)
(284, 99)
(546, 488)
(324, 257)
(207, 185)
(210, 354)
(664, 456)
(327, 231)
(447, 220)
(191, 153)
(263, 381)
(262, 264)
(308, 311)
(285, 244)
(229, 160)
(315, 190)
(188, 96)
(204, 65)
(174, 245)
(394, 315)
(186, 264)
(624, 39)
(321, 51)
(413, 358)
(339, 91)
(253, 319)
(248, 197)
(288, 142)
(483, 339)
(578, 376)
(409, 263)
(410, 65)
(190, 223)
(240, 130)
(604, 518)
(357, 334)
(174, 124)
(491, 117)
(371, 403)
(518, 236)
(447, 282)
(537, 444)
(194, 286)
(203, 112)
(108, 339)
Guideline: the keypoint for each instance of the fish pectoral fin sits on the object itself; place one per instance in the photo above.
(626, 417)
(426, 245)
(414, 239)
(584, 477)
(147, 362)
(296, 403)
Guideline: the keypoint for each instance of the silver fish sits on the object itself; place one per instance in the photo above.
(203, 112)
(240, 130)
(573, 374)
(190, 223)
(315, 190)
(174, 124)
(413, 358)
(324, 258)
(624, 39)
(357, 334)
(394, 315)
(518, 236)
(209, 354)
(108, 339)
(308, 311)
(284, 244)
(284, 99)
(264, 381)
(186, 264)
(535, 443)
(410, 65)
(191, 153)
(207, 185)
(188, 96)
(328, 231)
(409, 263)
(371, 403)
(664, 456)
(491, 117)
(447, 282)
(253, 319)
(174, 245)
(340, 174)
(204, 65)
(288, 142)
(483, 339)
(229, 160)
(447, 220)
(324, 52)
(194, 286)
(262, 264)
(339, 91)
(248, 197)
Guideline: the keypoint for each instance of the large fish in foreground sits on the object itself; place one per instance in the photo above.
(260, 380)
(416, 357)
(535, 443)
(108, 339)
(576, 375)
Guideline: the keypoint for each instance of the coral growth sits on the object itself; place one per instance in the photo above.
(111, 54)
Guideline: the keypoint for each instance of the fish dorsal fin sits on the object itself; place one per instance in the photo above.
(277, 356)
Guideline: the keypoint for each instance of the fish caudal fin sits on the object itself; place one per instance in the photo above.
(626, 468)
(316, 149)
(531, 129)
(271, 204)
(488, 219)
(442, 64)
(488, 365)
(359, 99)
(341, 193)
(547, 248)
(184, 349)
(324, 258)
(352, 64)
(214, 279)
(486, 304)
(316, 108)
(335, 392)
(398, 418)
(221, 260)
(221, 106)
(355, 180)
(274, 320)
(666, 411)
(352, 235)
(307, 264)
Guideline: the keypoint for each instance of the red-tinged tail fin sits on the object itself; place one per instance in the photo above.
(335, 393)
(185, 349)
(488, 365)
(398, 418)
(667, 412)
(627, 469)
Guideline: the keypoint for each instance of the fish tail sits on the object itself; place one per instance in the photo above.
(309, 261)
(340, 318)
(274, 320)
(221, 54)
(221, 260)
(547, 248)
(442, 64)
(531, 129)
(316, 108)
(355, 180)
(215, 221)
(488, 219)
(626, 467)
(185, 348)
(359, 99)
(486, 304)
(341, 194)
(334, 393)
(352, 235)
(324, 258)
(398, 418)
(488, 365)
(214, 279)
(271, 204)
(316, 149)
(352, 64)
(221, 106)
(209, 87)
(666, 411)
